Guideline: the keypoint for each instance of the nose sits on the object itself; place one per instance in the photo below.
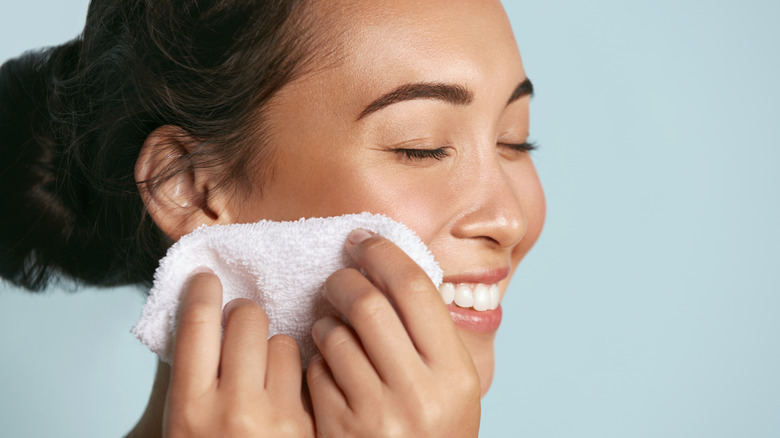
(492, 209)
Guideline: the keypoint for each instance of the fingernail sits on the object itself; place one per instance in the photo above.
(358, 236)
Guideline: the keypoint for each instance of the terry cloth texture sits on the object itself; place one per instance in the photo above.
(280, 265)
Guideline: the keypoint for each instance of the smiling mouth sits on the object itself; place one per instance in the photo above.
(478, 296)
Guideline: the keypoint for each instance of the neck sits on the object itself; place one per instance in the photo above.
(150, 424)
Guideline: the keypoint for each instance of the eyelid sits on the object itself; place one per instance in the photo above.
(437, 154)
(520, 147)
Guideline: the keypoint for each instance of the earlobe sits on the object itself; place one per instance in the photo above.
(177, 193)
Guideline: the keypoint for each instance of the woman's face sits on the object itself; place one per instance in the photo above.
(435, 153)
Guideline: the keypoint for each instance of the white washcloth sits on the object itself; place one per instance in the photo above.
(280, 265)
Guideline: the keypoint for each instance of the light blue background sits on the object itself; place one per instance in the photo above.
(650, 306)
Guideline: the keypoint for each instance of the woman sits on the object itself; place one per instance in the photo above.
(167, 115)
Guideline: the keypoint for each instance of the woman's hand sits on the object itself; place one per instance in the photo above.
(399, 369)
(244, 385)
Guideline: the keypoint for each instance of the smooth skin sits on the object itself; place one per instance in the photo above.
(400, 366)
(245, 382)
(386, 372)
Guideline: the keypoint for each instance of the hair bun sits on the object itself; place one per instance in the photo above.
(74, 118)
(37, 226)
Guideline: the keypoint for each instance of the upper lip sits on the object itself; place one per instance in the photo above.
(487, 276)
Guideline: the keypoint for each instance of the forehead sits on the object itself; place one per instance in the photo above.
(381, 43)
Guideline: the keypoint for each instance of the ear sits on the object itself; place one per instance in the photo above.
(177, 192)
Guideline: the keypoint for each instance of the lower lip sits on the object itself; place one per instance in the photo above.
(476, 321)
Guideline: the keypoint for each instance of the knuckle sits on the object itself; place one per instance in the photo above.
(430, 415)
(316, 371)
(197, 313)
(287, 426)
(240, 423)
(378, 245)
(467, 382)
(183, 421)
(417, 283)
(368, 303)
(464, 382)
(340, 278)
(393, 427)
(341, 275)
(337, 339)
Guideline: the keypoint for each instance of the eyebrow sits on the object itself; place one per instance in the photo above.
(450, 93)
(525, 88)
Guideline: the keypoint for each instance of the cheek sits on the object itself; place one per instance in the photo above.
(416, 198)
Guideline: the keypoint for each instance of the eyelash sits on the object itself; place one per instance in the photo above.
(441, 153)
(520, 147)
(422, 154)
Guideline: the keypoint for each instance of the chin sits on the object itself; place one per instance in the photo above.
(481, 348)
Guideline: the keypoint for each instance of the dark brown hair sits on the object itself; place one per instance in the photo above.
(73, 119)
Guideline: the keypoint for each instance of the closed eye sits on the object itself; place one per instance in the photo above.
(520, 147)
(423, 154)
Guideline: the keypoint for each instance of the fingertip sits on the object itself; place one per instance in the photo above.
(196, 342)
(201, 289)
(358, 236)
(203, 280)
(238, 302)
(248, 311)
(363, 243)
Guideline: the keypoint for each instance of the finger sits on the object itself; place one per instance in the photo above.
(382, 335)
(351, 369)
(418, 302)
(244, 345)
(284, 376)
(197, 342)
(326, 397)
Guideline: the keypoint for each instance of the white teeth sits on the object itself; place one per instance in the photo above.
(447, 291)
(481, 297)
(495, 297)
(463, 296)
